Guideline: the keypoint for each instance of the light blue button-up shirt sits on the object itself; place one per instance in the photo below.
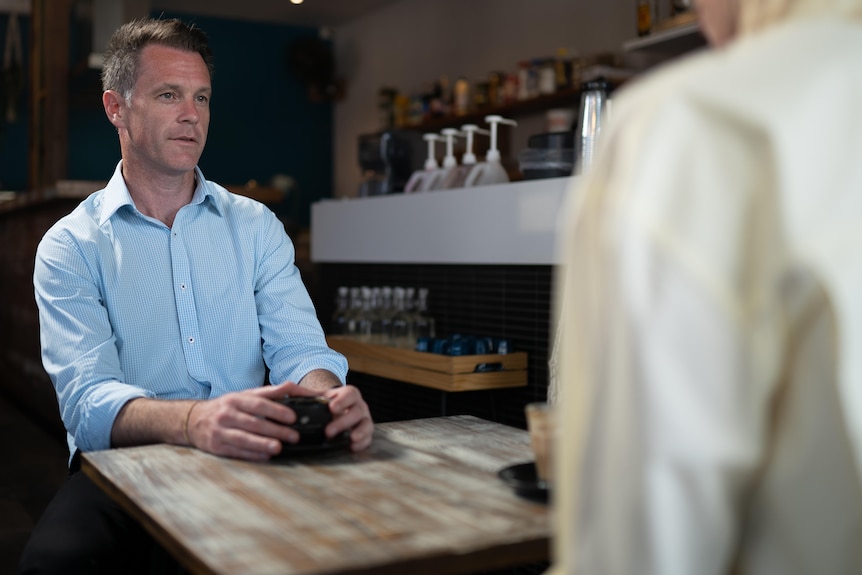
(129, 307)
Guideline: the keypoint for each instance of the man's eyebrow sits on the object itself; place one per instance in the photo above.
(160, 87)
(179, 88)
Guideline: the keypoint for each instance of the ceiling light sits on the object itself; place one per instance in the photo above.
(296, 1)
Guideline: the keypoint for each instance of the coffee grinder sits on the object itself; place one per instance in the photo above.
(387, 160)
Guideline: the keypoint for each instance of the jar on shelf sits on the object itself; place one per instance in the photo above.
(462, 96)
(547, 77)
(645, 16)
(562, 69)
(481, 95)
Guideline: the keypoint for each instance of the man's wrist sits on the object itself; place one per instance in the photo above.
(186, 436)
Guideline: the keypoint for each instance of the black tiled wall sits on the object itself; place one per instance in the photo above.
(508, 301)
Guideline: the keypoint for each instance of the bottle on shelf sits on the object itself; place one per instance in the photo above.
(366, 316)
(547, 76)
(645, 17)
(354, 314)
(338, 325)
(386, 106)
(562, 69)
(496, 88)
(424, 324)
(402, 321)
(376, 316)
(523, 80)
(462, 96)
(383, 317)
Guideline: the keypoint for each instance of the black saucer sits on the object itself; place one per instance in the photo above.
(524, 480)
(341, 441)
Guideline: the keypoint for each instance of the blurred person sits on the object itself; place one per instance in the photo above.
(710, 303)
(163, 302)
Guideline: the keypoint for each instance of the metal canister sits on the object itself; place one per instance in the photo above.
(594, 97)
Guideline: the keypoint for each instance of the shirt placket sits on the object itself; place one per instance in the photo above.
(185, 302)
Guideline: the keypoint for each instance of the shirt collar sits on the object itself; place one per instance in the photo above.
(116, 193)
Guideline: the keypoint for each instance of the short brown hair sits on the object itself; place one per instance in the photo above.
(122, 56)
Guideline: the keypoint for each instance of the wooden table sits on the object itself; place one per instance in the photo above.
(424, 499)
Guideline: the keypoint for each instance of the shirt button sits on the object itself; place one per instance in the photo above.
(191, 340)
(182, 286)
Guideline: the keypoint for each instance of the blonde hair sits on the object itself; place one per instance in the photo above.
(754, 15)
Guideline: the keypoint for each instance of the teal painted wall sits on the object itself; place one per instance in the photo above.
(262, 121)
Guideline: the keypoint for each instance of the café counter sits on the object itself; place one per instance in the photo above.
(510, 224)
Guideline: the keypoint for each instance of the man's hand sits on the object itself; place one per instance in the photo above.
(350, 413)
(249, 425)
(246, 424)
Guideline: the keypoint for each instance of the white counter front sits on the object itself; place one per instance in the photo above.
(514, 223)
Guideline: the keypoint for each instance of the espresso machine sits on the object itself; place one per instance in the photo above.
(387, 160)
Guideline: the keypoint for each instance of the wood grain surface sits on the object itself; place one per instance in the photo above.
(425, 498)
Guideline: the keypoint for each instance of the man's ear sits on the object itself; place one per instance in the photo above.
(115, 107)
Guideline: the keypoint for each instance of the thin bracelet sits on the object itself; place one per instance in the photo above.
(186, 424)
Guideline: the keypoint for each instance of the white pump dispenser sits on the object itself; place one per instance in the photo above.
(449, 159)
(491, 170)
(450, 164)
(421, 180)
(431, 160)
(458, 176)
(470, 129)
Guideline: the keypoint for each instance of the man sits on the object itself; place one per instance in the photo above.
(163, 299)
(711, 310)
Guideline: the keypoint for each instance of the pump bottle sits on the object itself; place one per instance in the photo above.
(425, 179)
(457, 177)
(490, 171)
(450, 164)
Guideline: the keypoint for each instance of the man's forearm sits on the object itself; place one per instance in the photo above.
(143, 420)
(320, 380)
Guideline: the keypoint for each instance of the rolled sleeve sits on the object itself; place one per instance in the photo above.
(79, 350)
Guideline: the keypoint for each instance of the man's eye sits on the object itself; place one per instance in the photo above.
(167, 96)
(203, 99)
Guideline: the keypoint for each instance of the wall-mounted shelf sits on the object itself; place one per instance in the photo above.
(560, 99)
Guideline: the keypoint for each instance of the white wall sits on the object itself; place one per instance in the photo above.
(413, 42)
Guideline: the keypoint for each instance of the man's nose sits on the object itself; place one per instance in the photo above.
(190, 112)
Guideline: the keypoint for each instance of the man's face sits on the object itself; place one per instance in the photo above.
(166, 122)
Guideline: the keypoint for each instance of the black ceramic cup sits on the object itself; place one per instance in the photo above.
(312, 417)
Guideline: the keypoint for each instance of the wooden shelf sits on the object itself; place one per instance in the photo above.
(559, 99)
(443, 372)
(568, 98)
